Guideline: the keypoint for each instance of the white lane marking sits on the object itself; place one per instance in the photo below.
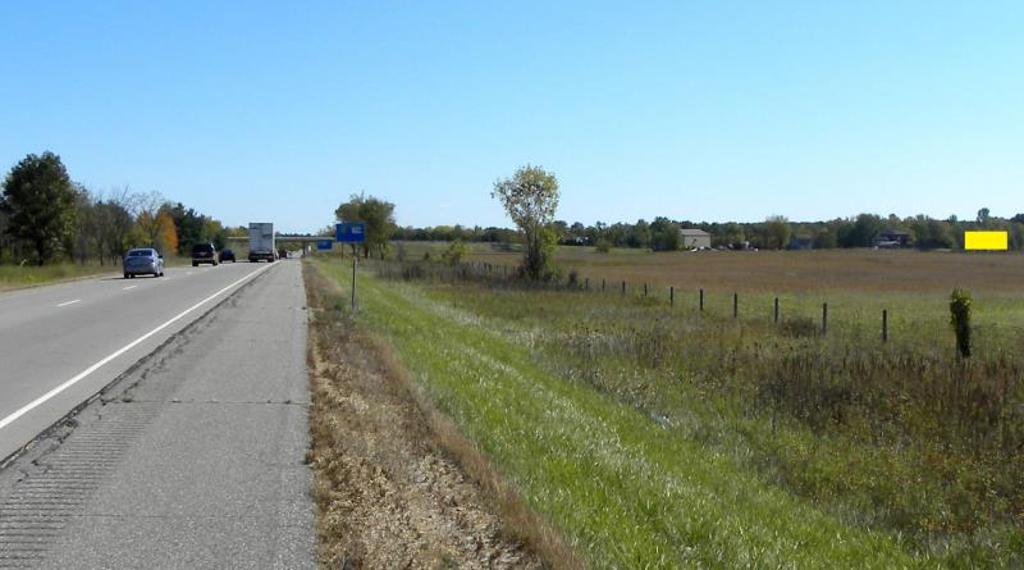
(78, 377)
(66, 303)
(129, 287)
(188, 273)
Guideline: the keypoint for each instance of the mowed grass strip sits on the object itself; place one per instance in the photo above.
(626, 491)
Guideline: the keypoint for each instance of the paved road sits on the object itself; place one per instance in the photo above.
(52, 335)
(195, 459)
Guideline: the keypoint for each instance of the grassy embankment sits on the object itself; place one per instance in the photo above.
(644, 458)
(20, 276)
(14, 276)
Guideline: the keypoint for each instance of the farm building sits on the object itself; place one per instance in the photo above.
(695, 239)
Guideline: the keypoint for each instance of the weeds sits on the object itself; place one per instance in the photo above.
(905, 437)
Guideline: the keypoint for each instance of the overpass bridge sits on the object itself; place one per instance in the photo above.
(306, 241)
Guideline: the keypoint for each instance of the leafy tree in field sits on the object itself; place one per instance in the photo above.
(731, 234)
(665, 235)
(640, 234)
(377, 214)
(530, 198)
(778, 231)
(39, 200)
(984, 216)
(455, 253)
(862, 232)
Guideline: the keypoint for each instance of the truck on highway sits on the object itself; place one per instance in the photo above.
(261, 242)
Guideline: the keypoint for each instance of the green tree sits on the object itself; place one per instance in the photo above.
(39, 200)
(639, 234)
(960, 319)
(665, 235)
(455, 253)
(862, 232)
(530, 198)
(377, 214)
(984, 216)
(778, 231)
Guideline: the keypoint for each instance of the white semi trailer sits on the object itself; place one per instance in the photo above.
(261, 242)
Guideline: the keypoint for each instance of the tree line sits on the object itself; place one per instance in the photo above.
(47, 217)
(776, 232)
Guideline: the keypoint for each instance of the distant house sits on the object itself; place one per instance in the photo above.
(801, 242)
(695, 239)
(892, 239)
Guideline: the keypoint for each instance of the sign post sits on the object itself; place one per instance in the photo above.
(352, 233)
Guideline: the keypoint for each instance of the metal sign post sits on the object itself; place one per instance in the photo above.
(352, 233)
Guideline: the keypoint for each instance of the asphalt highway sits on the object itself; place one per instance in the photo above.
(194, 458)
(60, 344)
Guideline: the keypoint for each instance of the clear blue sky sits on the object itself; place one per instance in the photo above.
(692, 110)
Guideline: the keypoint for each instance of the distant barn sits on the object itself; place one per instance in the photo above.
(695, 239)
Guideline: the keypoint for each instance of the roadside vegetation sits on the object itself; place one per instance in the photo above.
(395, 482)
(52, 228)
(656, 435)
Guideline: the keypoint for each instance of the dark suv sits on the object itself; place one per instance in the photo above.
(204, 253)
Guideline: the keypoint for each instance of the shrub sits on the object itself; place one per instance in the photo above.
(960, 320)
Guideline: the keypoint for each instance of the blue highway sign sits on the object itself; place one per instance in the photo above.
(324, 244)
(354, 232)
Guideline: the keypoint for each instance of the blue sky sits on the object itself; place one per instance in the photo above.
(692, 110)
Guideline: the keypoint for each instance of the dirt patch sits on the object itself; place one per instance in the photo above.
(389, 494)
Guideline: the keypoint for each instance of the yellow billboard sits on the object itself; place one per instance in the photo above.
(986, 241)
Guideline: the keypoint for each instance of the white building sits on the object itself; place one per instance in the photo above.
(695, 239)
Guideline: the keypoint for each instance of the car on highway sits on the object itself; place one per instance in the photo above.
(143, 261)
(227, 255)
(204, 253)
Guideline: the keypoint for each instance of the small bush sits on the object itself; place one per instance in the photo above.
(574, 279)
(960, 320)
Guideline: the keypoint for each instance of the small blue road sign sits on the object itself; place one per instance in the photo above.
(324, 244)
(353, 232)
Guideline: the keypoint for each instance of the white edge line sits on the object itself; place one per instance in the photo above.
(78, 377)
(129, 287)
(66, 303)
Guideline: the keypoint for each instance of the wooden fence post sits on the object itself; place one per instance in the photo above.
(735, 305)
(623, 287)
(702, 300)
(776, 310)
(602, 285)
(671, 296)
(824, 318)
(885, 325)
(586, 284)
(645, 289)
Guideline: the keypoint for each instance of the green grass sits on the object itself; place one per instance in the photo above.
(899, 437)
(14, 276)
(630, 488)
(19, 276)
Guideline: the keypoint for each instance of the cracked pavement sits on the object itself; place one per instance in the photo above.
(195, 459)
